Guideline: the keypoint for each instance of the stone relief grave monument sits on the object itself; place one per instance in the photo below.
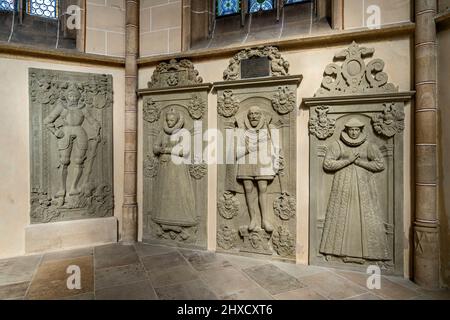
(71, 145)
(175, 108)
(256, 179)
(356, 165)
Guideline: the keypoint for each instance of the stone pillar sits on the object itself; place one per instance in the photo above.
(129, 209)
(426, 224)
(186, 25)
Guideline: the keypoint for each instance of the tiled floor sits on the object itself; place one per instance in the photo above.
(157, 272)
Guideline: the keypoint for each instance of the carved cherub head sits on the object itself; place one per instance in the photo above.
(254, 115)
(354, 128)
(172, 118)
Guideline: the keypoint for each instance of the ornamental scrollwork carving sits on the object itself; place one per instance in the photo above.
(354, 75)
(174, 73)
(151, 166)
(151, 110)
(390, 122)
(198, 171)
(228, 206)
(227, 104)
(284, 206)
(283, 101)
(226, 237)
(278, 65)
(321, 125)
(283, 242)
(196, 107)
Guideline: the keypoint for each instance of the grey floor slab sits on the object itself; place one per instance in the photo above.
(145, 250)
(273, 279)
(19, 269)
(15, 290)
(68, 254)
(164, 261)
(114, 276)
(192, 290)
(241, 262)
(202, 260)
(114, 255)
(252, 293)
(300, 294)
(133, 291)
(170, 276)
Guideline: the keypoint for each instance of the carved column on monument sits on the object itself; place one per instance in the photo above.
(356, 165)
(129, 208)
(426, 224)
(175, 109)
(256, 176)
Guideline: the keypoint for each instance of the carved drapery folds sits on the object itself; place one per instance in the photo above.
(354, 75)
(175, 184)
(356, 153)
(256, 208)
(277, 64)
(71, 145)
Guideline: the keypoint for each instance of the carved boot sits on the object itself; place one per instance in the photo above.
(253, 222)
(266, 225)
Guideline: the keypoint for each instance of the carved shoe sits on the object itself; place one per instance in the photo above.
(267, 226)
(253, 225)
(60, 194)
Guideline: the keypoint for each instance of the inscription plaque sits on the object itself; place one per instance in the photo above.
(255, 68)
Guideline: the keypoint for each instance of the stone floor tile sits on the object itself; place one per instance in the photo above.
(132, 291)
(192, 290)
(15, 290)
(331, 286)
(144, 250)
(300, 294)
(436, 294)
(164, 261)
(170, 276)
(252, 293)
(50, 281)
(298, 271)
(388, 290)
(273, 279)
(203, 260)
(84, 296)
(68, 254)
(115, 276)
(365, 296)
(226, 281)
(241, 262)
(20, 269)
(114, 255)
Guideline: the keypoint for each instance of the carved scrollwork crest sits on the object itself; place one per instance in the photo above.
(354, 75)
(284, 206)
(43, 208)
(174, 73)
(227, 104)
(228, 205)
(283, 242)
(152, 112)
(226, 237)
(198, 171)
(151, 166)
(196, 107)
(321, 125)
(283, 101)
(278, 65)
(390, 122)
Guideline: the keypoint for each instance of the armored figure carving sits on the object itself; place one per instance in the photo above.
(253, 169)
(354, 229)
(66, 124)
(174, 207)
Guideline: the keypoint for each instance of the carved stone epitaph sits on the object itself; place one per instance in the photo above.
(356, 160)
(71, 145)
(175, 179)
(256, 187)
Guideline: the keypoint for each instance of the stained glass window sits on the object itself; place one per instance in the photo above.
(227, 7)
(7, 5)
(43, 8)
(294, 1)
(260, 5)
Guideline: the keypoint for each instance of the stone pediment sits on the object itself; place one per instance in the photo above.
(175, 73)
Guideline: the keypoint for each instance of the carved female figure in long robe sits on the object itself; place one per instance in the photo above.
(174, 197)
(354, 229)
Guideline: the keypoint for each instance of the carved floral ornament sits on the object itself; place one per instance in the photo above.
(354, 75)
(278, 65)
(228, 205)
(227, 237)
(174, 73)
(198, 171)
(283, 242)
(152, 112)
(196, 107)
(283, 101)
(321, 125)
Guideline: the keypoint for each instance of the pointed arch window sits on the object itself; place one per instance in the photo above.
(261, 5)
(43, 8)
(228, 7)
(7, 5)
